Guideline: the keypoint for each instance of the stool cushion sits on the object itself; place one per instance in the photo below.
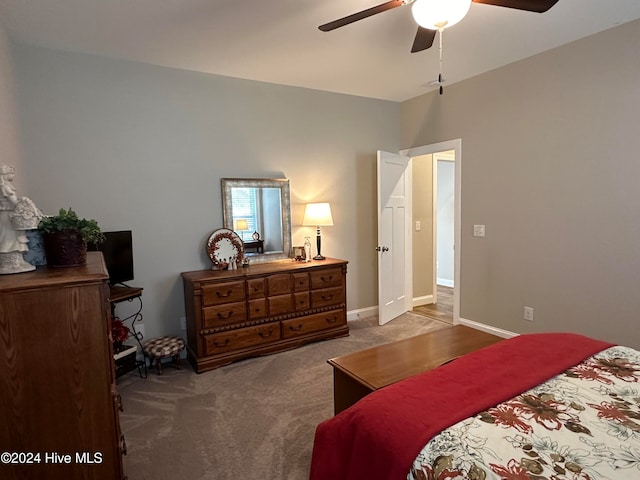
(163, 347)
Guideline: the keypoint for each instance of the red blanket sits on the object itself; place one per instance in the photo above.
(380, 436)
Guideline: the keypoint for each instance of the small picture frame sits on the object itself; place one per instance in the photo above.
(298, 254)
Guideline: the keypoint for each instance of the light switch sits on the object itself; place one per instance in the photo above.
(418, 225)
(478, 230)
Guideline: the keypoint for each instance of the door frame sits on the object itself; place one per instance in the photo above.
(456, 146)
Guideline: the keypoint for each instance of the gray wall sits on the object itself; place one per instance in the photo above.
(550, 165)
(143, 148)
(445, 222)
(422, 259)
(10, 152)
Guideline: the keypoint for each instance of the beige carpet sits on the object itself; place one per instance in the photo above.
(251, 420)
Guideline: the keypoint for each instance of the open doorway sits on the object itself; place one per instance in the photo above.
(433, 235)
(435, 260)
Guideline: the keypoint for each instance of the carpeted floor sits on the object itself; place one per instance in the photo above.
(254, 419)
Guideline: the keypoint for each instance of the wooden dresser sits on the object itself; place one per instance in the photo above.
(264, 308)
(58, 398)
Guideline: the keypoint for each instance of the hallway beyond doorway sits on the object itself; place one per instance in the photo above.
(443, 310)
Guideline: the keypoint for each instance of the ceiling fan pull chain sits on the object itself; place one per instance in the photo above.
(441, 31)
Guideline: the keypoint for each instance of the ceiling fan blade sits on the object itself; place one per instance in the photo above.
(341, 22)
(538, 6)
(424, 39)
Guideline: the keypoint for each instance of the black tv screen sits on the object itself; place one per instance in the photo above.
(117, 250)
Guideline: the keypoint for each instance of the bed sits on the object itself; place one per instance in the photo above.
(539, 406)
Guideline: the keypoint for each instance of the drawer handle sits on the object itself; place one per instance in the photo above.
(224, 344)
(297, 328)
(266, 335)
(327, 279)
(333, 319)
(224, 295)
(327, 297)
(223, 316)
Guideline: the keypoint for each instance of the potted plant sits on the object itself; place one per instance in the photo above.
(65, 238)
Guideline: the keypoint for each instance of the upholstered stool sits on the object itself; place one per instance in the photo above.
(163, 347)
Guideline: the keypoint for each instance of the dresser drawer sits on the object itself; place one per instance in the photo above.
(255, 288)
(217, 293)
(312, 323)
(241, 338)
(327, 296)
(226, 314)
(280, 304)
(300, 282)
(278, 284)
(301, 300)
(329, 277)
(257, 308)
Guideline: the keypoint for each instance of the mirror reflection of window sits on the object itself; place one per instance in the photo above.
(262, 210)
(259, 205)
(245, 207)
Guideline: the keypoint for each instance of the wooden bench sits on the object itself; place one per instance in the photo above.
(358, 374)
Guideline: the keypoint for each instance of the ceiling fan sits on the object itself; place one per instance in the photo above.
(435, 15)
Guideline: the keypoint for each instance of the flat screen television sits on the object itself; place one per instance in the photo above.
(117, 250)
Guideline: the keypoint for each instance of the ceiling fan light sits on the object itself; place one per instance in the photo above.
(439, 14)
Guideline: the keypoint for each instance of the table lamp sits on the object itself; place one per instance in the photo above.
(317, 215)
(241, 225)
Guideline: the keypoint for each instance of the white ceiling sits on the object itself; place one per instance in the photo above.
(278, 41)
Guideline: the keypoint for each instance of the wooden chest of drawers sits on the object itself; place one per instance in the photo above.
(58, 388)
(262, 309)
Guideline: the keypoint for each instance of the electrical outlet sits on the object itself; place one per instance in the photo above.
(183, 323)
(418, 225)
(528, 314)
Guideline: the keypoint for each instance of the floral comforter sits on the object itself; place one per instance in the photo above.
(583, 424)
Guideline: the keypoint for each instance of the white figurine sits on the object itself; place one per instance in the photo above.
(16, 216)
(307, 249)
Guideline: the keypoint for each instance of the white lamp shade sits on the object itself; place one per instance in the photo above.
(317, 215)
(438, 14)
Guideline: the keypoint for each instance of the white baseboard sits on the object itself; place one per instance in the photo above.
(444, 282)
(487, 328)
(361, 313)
(424, 300)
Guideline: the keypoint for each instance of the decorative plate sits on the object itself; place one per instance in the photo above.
(225, 249)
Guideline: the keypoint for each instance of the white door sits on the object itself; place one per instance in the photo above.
(394, 190)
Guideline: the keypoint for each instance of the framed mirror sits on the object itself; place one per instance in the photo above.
(258, 210)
